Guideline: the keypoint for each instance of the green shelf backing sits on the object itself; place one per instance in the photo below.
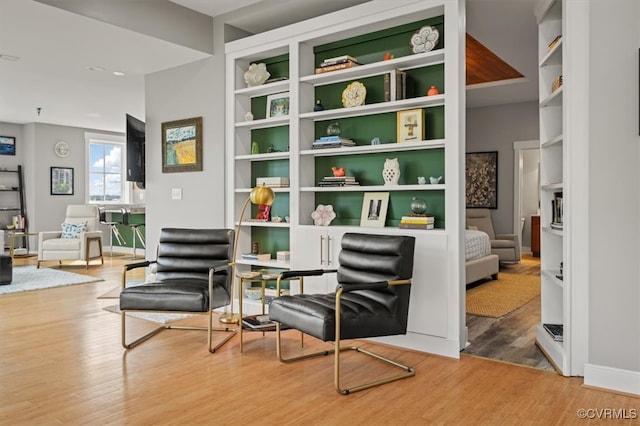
(276, 137)
(271, 240)
(371, 47)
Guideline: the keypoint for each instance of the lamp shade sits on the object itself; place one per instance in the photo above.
(262, 195)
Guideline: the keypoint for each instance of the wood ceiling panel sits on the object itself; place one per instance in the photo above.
(484, 66)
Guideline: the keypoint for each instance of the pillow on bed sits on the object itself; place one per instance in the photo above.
(473, 228)
(73, 230)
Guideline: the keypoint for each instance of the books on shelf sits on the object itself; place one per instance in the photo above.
(338, 60)
(556, 211)
(332, 142)
(338, 181)
(555, 330)
(337, 66)
(258, 256)
(397, 86)
(417, 221)
(273, 181)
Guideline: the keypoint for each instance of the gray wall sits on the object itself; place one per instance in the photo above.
(495, 129)
(614, 187)
(192, 90)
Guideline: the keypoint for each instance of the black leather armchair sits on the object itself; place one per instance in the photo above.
(371, 300)
(194, 274)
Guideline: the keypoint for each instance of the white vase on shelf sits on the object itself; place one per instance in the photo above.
(391, 171)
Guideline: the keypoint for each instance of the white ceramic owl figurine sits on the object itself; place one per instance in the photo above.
(391, 171)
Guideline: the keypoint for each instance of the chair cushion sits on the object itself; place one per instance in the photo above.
(503, 244)
(361, 314)
(73, 230)
(185, 294)
(61, 244)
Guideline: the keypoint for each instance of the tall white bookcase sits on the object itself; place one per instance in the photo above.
(563, 175)
(436, 321)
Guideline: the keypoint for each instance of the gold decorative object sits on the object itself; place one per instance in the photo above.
(354, 95)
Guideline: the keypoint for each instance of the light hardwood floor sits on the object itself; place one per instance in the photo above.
(61, 363)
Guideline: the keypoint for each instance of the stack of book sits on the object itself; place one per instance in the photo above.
(337, 63)
(557, 211)
(555, 330)
(273, 181)
(254, 256)
(338, 181)
(417, 221)
(332, 142)
(258, 322)
(397, 86)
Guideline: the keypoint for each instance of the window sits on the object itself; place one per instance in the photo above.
(106, 166)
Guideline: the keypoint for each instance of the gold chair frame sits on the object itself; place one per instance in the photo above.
(209, 328)
(409, 371)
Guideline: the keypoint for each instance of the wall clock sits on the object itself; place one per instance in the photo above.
(62, 149)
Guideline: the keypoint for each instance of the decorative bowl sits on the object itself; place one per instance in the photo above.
(253, 293)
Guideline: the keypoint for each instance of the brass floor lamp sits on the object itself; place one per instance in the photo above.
(261, 195)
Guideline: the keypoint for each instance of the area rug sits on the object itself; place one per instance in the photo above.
(154, 317)
(28, 278)
(506, 294)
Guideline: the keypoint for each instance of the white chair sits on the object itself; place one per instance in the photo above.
(80, 237)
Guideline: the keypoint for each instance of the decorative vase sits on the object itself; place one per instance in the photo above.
(338, 171)
(433, 90)
(418, 205)
(255, 148)
(318, 106)
(248, 116)
(391, 171)
(333, 129)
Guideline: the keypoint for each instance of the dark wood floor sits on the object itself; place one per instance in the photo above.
(510, 338)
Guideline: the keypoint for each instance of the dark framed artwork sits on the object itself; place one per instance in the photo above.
(481, 173)
(61, 181)
(7, 145)
(182, 145)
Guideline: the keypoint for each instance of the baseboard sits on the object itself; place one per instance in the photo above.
(614, 379)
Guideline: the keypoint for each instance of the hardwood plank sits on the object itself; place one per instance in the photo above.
(61, 363)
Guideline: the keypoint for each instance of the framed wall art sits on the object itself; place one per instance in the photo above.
(7, 145)
(410, 125)
(182, 145)
(278, 104)
(61, 181)
(481, 173)
(374, 209)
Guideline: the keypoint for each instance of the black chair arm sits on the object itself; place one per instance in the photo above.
(303, 273)
(131, 266)
(347, 287)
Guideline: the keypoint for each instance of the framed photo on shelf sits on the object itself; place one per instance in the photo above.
(481, 174)
(410, 125)
(182, 145)
(374, 209)
(61, 181)
(7, 145)
(278, 104)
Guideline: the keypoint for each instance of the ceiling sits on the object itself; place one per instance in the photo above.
(56, 48)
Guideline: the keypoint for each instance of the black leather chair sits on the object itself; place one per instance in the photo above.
(193, 275)
(371, 300)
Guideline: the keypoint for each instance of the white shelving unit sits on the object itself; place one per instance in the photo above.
(436, 321)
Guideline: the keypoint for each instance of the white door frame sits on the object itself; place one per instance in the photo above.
(518, 147)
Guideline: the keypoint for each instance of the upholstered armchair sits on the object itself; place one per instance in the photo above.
(193, 273)
(371, 300)
(79, 238)
(506, 246)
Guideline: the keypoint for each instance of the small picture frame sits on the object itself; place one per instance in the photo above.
(374, 209)
(278, 104)
(61, 181)
(182, 145)
(410, 125)
(7, 145)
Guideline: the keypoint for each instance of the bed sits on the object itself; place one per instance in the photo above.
(479, 261)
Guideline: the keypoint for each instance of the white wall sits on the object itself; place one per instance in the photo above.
(495, 129)
(530, 191)
(614, 188)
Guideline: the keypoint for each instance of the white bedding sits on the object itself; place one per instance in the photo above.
(477, 244)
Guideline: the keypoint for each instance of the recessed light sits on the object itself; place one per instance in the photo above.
(118, 73)
(8, 57)
(93, 68)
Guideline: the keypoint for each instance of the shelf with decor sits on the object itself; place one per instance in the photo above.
(379, 35)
